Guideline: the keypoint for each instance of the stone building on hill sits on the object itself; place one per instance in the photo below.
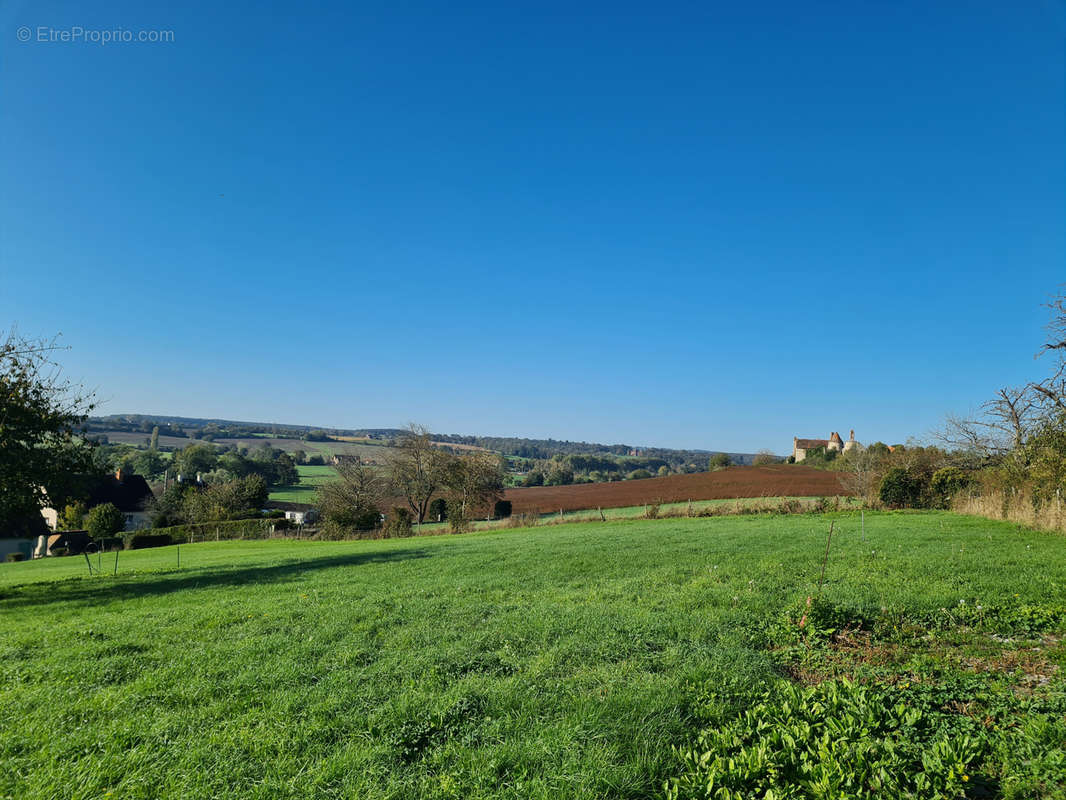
(800, 447)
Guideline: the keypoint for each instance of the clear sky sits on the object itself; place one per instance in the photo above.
(711, 225)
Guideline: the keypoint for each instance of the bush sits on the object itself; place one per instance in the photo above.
(458, 521)
(398, 522)
(438, 510)
(900, 490)
(11, 558)
(141, 540)
(945, 483)
(502, 509)
(104, 520)
(534, 478)
(638, 474)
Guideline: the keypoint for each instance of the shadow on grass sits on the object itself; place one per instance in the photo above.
(86, 590)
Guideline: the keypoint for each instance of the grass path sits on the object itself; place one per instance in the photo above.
(565, 661)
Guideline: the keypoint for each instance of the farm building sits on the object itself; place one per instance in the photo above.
(800, 447)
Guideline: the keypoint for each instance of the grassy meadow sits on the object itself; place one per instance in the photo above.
(306, 491)
(625, 659)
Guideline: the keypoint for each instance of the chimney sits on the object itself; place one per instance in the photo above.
(852, 437)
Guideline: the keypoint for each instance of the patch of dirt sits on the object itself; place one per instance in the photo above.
(779, 480)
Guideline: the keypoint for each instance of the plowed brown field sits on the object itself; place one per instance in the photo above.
(774, 481)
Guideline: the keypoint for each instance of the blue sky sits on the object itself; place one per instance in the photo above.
(690, 224)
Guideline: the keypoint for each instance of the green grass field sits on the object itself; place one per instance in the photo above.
(598, 660)
(306, 491)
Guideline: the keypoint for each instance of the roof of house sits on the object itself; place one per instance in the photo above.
(835, 437)
(285, 505)
(129, 493)
(807, 444)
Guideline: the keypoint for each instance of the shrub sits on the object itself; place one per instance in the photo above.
(438, 510)
(140, 540)
(457, 520)
(104, 520)
(398, 522)
(502, 509)
(11, 558)
(73, 517)
(638, 474)
(900, 490)
(945, 483)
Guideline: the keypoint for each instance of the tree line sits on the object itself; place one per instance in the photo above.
(1011, 451)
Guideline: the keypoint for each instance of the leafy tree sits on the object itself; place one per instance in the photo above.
(398, 522)
(73, 516)
(945, 483)
(148, 463)
(438, 510)
(39, 417)
(638, 474)
(104, 520)
(534, 478)
(153, 443)
(229, 500)
(663, 471)
(719, 461)
(471, 482)
(899, 489)
(195, 458)
(353, 501)
(559, 474)
(285, 472)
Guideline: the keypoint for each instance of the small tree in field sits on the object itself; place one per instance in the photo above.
(472, 482)
(899, 489)
(416, 470)
(764, 458)
(73, 516)
(719, 461)
(104, 520)
(351, 502)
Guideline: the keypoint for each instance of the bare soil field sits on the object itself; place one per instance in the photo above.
(779, 480)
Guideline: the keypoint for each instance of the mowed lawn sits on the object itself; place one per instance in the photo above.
(306, 491)
(558, 662)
